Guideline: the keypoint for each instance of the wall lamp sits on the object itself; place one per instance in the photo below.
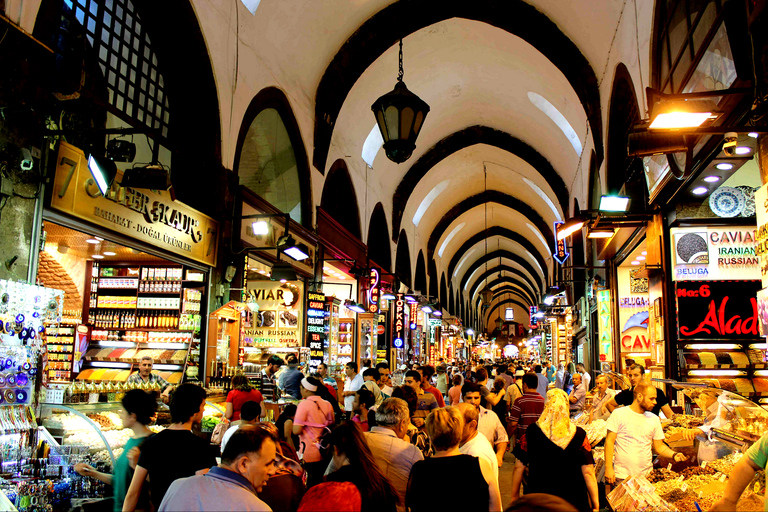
(285, 244)
(601, 223)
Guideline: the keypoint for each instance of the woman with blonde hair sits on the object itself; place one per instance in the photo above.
(555, 438)
(445, 427)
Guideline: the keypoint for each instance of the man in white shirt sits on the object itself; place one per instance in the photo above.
(586, 378)
(488, 423)
(385, 378)
(393, 455)
(472, 442)
(631, 433)
(352, 383)
(601, 397)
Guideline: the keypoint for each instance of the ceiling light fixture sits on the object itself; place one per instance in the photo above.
(91, 241)
(674, 113)
(571, 226)
(153, 177)
(426, 309)
(400, 115)
(97, 257)
(288, 245)
(635, 262)
(724, 166)
(103, 171)
(600, 233)
(752, 134)
(260, 227)
(613, 204)
(743, 150)
(712, 179)
(353, 306)
(109, 253)
(387, 296)
(700, 191)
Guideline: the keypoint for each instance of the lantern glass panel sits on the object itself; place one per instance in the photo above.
(406, 120)
(392, 127)
(382, 125)
(417, 124)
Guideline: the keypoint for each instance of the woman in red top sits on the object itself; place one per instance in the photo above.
(241, 392)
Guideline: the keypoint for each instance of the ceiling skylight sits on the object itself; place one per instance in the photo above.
(539, 236)
(545, 197)
(461, 262)
(449, 238)
(425, 204)
(551, 111)
(372, 145)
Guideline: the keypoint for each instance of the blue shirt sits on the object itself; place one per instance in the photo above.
(219, 489)
(543, 384)
(551, 373)
(290, 382)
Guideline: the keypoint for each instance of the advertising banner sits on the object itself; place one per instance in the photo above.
(715, 253)
(717, 310)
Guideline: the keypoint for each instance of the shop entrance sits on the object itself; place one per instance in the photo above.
(120, 305)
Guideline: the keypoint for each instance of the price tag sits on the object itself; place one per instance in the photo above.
(684, 487)
(669, 467)
(680, 478)
(723, 477)
(703, 464)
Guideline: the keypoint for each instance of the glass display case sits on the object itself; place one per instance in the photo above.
(331, 344)
(366, 338)
(346, 352)
(735, 367)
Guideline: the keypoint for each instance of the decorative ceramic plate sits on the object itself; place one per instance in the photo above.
(727, 202)
(749, 195)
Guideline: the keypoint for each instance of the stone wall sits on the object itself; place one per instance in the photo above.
(52, 274)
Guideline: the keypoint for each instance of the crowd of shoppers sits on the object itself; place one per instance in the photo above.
(391, 448)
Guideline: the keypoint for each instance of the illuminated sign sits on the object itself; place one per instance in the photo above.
(561, 253)
(717, 310)
(509, 314)
(412, 316)
(605, 325)
(634, 302)
(373, 291)
(315, 328)
(398, 327)
(716, 253)
(532, 314)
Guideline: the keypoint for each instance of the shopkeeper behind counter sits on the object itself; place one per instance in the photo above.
(145, 375)
(626, 397)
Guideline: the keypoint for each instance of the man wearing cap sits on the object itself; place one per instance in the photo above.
(515, 389)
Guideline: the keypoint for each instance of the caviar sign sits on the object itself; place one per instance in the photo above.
(715, 253)
(717, 310)
(146, 215)
(398, 326)
(315, 328)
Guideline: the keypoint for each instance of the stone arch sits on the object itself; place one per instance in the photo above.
(623, 171)
(250, 152)
(404, 17)
(339, 199)
(443, 291)
(420, 276)
(379, 249)
(403, 260)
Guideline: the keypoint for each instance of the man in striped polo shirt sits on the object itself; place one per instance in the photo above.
(527, 408)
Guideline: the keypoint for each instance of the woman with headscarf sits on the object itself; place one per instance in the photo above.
(554, 443)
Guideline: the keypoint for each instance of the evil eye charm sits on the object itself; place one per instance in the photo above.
(20, 318)
(35, 315)
(32, 372)
(26, 366)
(10, 396)
(2, 380)
(41, 329)
(24, 334)
(17, 327)
(5, 298)
(9, 327)
(8, 363)
(10, 379)
(21, 396)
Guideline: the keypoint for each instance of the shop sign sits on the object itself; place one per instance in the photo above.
(398, 326)
(761, 249)
(717, 310)
(279, 318)
(412, 317)
(715, 253)
(561, 253)
(634, 333)
(532, 310)
(147, 215)
(315, 328)
(373, 291)
(276, 230)
(637, 301)
(605, 325)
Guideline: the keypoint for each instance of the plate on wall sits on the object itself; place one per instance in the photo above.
(749, 196)
(727, 202)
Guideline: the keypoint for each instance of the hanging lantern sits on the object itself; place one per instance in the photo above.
(499, 322)
(400, 115)
(486, 295)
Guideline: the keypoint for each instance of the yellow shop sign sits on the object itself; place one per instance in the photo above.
(146, 215)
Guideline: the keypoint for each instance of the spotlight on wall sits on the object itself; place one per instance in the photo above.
(260, 227)
(103, 171)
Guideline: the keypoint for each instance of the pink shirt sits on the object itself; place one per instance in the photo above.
(312, 413)
(455, 395)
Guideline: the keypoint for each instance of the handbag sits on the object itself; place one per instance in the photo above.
(218, 432)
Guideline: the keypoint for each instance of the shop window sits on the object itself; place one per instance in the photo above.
(134, 83)
(267, 163)
(693, 51)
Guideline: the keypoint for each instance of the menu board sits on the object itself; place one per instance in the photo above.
(315, 328)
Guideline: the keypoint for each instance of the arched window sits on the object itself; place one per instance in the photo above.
(420, 278)
(339, 199)
(403, 260)
(271, 160)
(378, 238)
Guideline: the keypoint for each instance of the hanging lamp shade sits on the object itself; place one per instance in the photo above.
(400, 115)
(486, 295)
(499, 322)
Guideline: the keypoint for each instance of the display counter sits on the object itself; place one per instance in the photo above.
(725, 425)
